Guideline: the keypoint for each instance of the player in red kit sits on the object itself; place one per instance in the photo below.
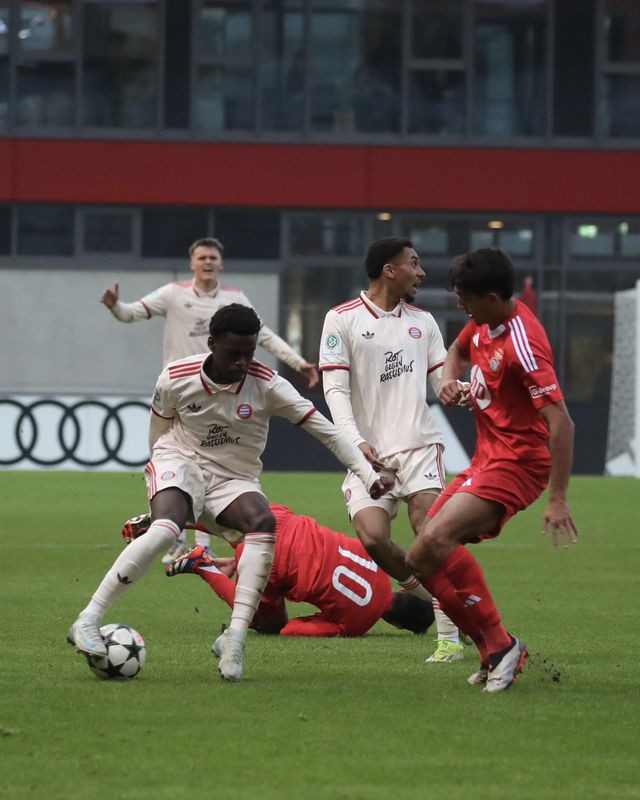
(312, 564)
(524, 443)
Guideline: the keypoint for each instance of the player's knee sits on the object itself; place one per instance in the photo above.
(263, 521)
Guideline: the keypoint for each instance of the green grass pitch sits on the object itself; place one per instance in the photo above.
(324, 719)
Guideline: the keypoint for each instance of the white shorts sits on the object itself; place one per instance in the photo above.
(210, 493)
(419, 470)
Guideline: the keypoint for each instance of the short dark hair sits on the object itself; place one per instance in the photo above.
(208, 241)
(409, 612)
(482, 271)
(382, 251)
(234, 318)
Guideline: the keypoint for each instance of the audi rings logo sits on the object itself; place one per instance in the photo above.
(87, 432)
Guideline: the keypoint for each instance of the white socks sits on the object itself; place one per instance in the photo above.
(132, 563)
(253, 573)
(446, 629)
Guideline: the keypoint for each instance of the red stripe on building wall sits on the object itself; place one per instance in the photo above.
(319, 176)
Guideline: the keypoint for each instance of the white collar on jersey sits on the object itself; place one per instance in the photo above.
(493, 334)
(376, 310)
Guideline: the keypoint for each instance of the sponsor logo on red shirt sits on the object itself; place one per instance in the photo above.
(538, 391)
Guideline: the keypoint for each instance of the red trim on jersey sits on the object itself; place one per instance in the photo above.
(435, 366)
(441, 473)
(240, 385)
(226, 288)
(259, 370)
(208, 389)
(369, 308)
(151, 472)
(333, 366)
(173, 376)
(306, 417)
(414, 308)
(185, 283)
(346, 304)
(185, 365)
(147, 309)
(160, 415)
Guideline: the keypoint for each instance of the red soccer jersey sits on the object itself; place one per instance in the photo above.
(512, 377)
(332, 571)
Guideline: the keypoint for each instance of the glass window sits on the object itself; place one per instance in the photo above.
(355, 64)
(45, 230)
(326, 236)
(437, 102)
(436, 29)
(46, 93)
(515, 238)
(574, 56)
(605, 238)
(283, 65)
(5, 230)
(622, 25)
(249, 234)
(621, 105)
(177, 64)
(224, 98)
(4, 61)
(46, 25)
(225, 29)
(106, 231)
(168, 232)
(120, 81)
(509, 97)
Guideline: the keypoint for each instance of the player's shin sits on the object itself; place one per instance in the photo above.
(132, 563)
(254, 567)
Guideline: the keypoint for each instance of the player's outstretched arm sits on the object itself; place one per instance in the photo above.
(558, 517)
(123, 312)
(450, 390)
(277, 346)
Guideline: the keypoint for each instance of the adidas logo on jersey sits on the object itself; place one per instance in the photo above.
(188, 305)
(368, 335)
(430, 476)
(193, 407)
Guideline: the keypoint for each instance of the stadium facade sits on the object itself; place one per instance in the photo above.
(298, 130)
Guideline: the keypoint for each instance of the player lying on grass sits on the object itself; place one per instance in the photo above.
(209, 425)
(312, 564)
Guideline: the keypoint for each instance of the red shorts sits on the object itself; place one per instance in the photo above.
(513, 486)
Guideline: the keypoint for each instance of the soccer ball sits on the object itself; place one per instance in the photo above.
(126, 653)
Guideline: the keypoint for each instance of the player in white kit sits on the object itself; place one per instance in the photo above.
(376, 354)
(187, 307)
(209, 425)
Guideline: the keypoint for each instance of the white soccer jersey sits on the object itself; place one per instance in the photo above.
(388, 355)
(188, 311)
(224, 428)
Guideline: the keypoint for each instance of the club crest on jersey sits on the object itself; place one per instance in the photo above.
(332, 345)
(244, 411)
(415, 333)
(167, 476)
(496, 360)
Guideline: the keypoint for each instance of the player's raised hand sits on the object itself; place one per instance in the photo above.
(558, 519)
(371, 454)
(310, 372)
(381, 486)
(110, 296)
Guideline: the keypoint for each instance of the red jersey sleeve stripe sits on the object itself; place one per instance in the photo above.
(306, 417)
(258, 365)
(147, 309)
(348, 304)
(186, 365)
(159, 415)
(522, 346)
(326, 367)
(435, 366)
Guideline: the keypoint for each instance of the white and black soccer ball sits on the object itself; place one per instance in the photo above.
(126, 653)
